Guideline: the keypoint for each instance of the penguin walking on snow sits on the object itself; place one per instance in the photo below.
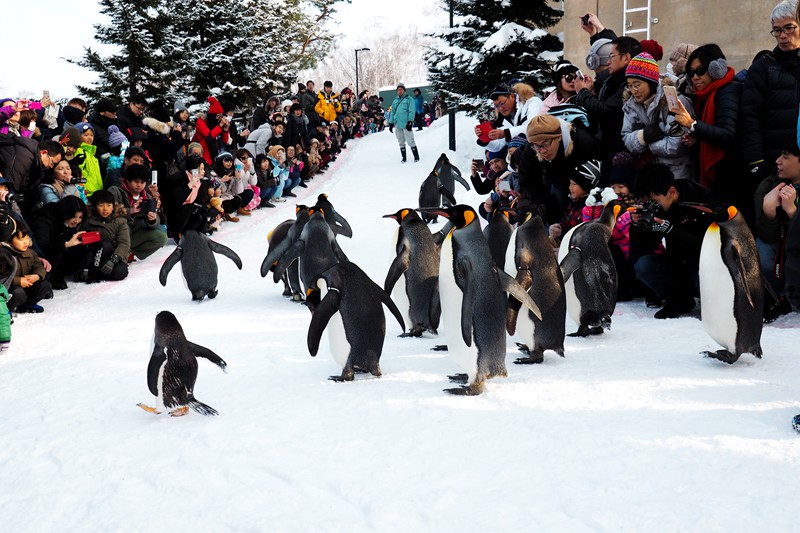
(731, 288)
(590, 276)
(448, 176)
(356, 338)
(172, 371)
(417, 262)
(287, 232)
(195, 252)
(531, 260)
(474, 303)
(431, 193)
(498, 233)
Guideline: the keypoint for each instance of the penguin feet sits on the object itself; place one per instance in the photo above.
(796, 423)
(287, 291)
(723, 355)
(532, 359)
(149, 409)
(297, 297)
(411, 333)
(458, 378)
(347, 375)
(523, 348)
(180, 411)
(439, 348)
(467, 390)
(586, 331)
(212, 294)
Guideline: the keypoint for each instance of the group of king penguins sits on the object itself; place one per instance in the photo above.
(483, 284)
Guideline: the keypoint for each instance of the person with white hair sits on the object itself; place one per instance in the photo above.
(770, 95)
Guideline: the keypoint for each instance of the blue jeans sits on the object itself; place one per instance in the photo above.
(766, 258)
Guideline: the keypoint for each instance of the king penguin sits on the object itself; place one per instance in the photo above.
(417, 262)
(530, 258)
(172, 371)
(472, 291)
(498, 233)
(337, 222)
(731, 288)
(285, 234)
(590, 277)
(345, 293)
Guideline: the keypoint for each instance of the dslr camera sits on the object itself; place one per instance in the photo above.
(647, 211)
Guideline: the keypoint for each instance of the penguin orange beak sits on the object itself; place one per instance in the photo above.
(393, 216)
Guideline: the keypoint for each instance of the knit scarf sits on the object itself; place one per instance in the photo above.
(192, 193)
(710, 154)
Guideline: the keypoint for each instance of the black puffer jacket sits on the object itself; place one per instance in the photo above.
(769, 106)
(19, 160)
(605, 110)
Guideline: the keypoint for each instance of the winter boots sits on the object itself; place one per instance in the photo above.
(416, 154)
(403, 153)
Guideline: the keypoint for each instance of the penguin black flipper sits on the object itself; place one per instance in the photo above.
(570, 263)
(319, 320)
(273, 256)
(435, 311)
(338, 252)
(731, 256)
(227, 252)
(467, 301)
(154, 367)
(441, 235)
(447, 194)
(457, 176)
(515, 305)
(513, 288)
(173, 259)
(290, 256)
(202, 351)
(399, 266)
(341, 227)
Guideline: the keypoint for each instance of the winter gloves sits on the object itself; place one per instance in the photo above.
(109, 265)
(652, 133)
(408, 126)
(665, 226)
(391, 128)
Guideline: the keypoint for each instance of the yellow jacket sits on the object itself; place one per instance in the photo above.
(328, 106)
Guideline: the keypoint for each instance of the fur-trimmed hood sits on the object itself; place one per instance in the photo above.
(156, 125)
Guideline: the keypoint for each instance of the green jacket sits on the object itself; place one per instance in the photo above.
(90, 166)
(402, 111)
(5, 318)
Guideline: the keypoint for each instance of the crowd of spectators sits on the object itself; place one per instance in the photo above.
(697, 133)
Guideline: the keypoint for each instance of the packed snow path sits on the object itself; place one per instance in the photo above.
(633, 430)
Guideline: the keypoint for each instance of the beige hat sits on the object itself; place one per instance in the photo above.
(543, 127)
(273, 152)
(679, 56)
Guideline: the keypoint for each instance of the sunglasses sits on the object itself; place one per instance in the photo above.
(569, 78)
(699, 71)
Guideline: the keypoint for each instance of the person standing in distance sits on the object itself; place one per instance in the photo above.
(402, 116)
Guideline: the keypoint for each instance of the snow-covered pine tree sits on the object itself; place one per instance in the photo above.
(492, 41)
(139, 66)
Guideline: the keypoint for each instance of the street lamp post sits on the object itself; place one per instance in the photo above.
(357, 51)
(452, 112)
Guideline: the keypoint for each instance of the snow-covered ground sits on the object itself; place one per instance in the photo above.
(632, 431)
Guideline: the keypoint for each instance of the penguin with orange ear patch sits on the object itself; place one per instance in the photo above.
(498, 233)
(731, 289)
(472, 291)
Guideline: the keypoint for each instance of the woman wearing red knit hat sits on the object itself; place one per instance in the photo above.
(647, 126)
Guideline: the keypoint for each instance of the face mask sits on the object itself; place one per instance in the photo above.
(32, 126)
(671, 73)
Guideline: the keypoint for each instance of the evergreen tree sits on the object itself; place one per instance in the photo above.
(139, 66)
(492, 41)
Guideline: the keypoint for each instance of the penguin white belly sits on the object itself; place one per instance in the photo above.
(573, 303)
(451, 297)
(337, 341)
(160, 387)
(717, 292)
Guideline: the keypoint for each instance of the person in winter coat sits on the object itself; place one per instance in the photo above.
(87, 161)
(29, 286)
(560, 148)
(130, 115)
(5, 320)
(56, 230)
(277, 160)
(211, 132)
(109, 257)
(513, 115)
(245, 169)
(776, 202)
(605, 107)
(712, 129)
(309, 102)
(266, 184)
(401, 120)
(258, 140)
(58, 183)
(296, 129)
(147, 236)
(261, 114)
(22, 160)
(328, 105)
(647, 127)
(770, 95)
(104, 114)
(419, 109)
